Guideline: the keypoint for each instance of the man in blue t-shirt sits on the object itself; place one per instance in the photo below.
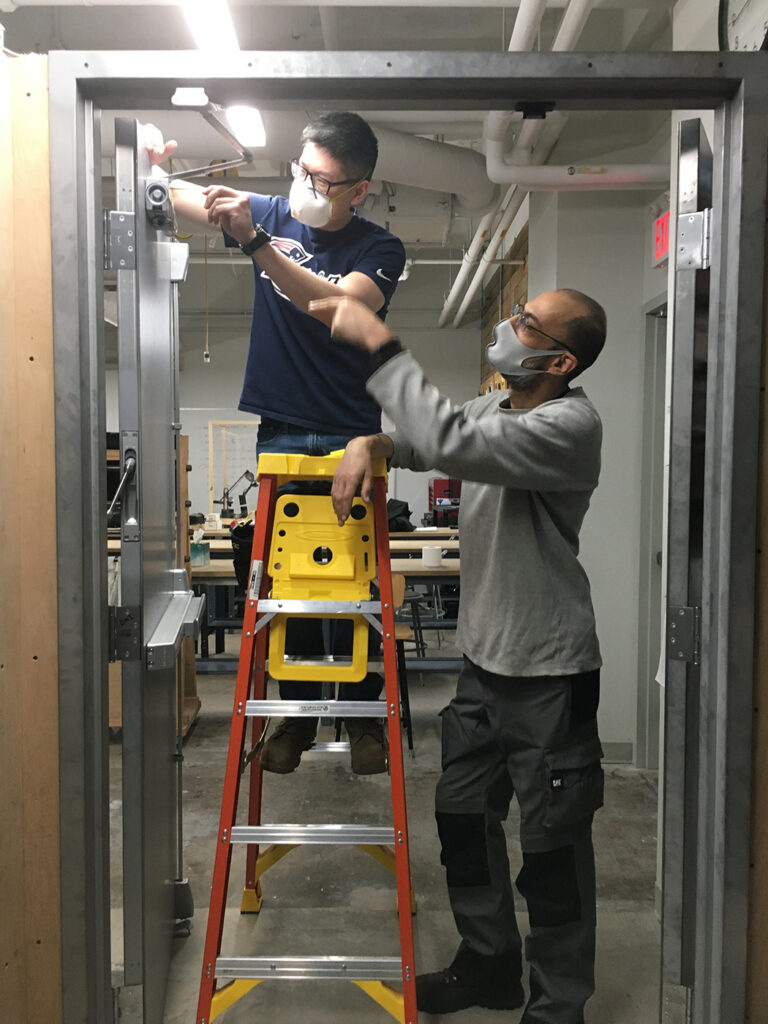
(309, 392)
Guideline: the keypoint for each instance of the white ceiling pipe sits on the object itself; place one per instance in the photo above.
(403, 158)
(423, 163)
(534, 141)
(572, 25)
(573, 177)
(488, 256)
(524, 33)
(529, 132)
(469, 259)
(527, 22)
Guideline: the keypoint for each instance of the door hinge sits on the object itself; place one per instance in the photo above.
(124, 632)
(684, 634)
(694, 240)
(119, 240)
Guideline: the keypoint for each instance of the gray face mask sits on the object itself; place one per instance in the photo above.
(507, 353)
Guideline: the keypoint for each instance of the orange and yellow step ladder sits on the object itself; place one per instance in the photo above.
(304, 564)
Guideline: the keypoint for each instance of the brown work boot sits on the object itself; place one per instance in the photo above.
(282, 751)
(368, 746)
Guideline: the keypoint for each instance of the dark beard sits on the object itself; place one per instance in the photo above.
(522, 384)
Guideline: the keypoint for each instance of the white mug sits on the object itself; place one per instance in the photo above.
(432, 555)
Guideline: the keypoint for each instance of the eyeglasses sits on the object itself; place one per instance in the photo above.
(524, 320)
(318, 182)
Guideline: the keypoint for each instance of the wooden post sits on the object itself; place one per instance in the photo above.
(30, 915)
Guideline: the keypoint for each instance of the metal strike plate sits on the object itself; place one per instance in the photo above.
(683, 634)
(694, 240)
(124, 633)
(120, 241)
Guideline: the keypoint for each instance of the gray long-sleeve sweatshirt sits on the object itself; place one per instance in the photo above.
(528, 475)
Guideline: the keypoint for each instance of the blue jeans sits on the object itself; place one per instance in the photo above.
(305, 636)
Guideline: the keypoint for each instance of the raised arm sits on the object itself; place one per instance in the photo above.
(231, 211)
(188, 199)
(219, 207)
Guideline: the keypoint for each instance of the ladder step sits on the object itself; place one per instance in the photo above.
(322, 835)
(316, 708)
(285, 606)
(336, 747)
(311, 968)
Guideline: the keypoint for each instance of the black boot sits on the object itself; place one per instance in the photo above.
(282, 751)
(471, 980)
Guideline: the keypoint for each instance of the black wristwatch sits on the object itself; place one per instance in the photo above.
(262, 237)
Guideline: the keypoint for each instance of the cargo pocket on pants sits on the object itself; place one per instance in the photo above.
(574, 780)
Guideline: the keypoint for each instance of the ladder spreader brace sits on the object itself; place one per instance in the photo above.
(312, 579)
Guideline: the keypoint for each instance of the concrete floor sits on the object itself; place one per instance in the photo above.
(339, 901)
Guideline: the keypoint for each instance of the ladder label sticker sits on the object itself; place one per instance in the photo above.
(254, 583)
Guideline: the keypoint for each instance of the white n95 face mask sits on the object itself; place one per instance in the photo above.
(507, 353)
(308, 206)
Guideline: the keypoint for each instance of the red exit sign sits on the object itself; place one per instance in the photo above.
(661, 239)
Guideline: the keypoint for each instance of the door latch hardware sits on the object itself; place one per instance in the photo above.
(124, 633)
(684, 634)
(694, 237)
(119, 241)
(157, 202)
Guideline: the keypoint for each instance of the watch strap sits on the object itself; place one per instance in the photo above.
(262, 237)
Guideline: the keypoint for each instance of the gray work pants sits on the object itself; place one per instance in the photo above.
(536, 738)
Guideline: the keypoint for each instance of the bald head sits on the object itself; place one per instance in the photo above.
(586, 327)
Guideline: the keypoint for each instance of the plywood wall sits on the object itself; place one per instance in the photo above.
(30, 919)
(508, 286)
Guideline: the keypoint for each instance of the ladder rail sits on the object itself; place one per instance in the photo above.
(251, 675)
(249, 652)
(402, 862)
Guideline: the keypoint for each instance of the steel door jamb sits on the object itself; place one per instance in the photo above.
(82, 532)
(730, 530)
(734, 85)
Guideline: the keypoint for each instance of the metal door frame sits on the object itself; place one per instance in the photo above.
(734, 86)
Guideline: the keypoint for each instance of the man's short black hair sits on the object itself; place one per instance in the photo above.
(586, 334)
(348, 138)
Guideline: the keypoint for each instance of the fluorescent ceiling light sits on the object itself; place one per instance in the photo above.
(247, 126)
(210, 23)
(189, 96)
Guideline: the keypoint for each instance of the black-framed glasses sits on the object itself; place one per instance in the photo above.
(318, 182)
(524, 319)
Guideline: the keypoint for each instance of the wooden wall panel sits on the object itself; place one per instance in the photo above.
(30, 916)
(508, 286)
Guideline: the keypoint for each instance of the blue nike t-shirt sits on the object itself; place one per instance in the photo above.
(295, 372)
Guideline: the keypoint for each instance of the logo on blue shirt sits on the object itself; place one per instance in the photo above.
(295, 251)
(292, 249)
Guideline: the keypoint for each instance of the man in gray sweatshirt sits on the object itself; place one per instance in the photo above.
(523, 721)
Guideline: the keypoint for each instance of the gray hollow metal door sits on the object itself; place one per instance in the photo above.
(157, 608)
(684, 580)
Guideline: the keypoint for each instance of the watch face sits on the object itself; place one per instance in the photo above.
(743, 24)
